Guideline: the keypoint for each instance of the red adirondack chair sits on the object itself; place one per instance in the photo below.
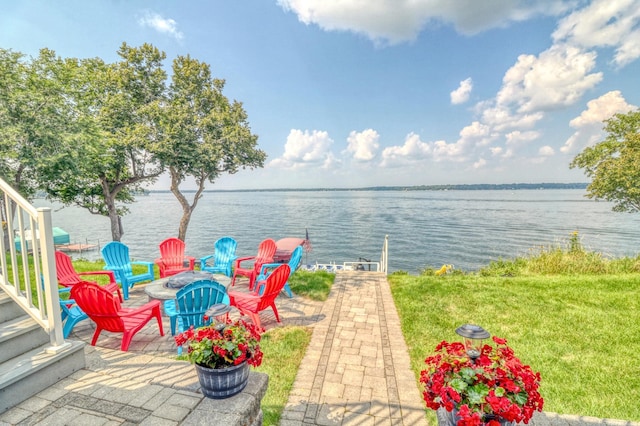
(266, 250)
(105, 310)
(67, 275)
(263, 296)
(172, 258)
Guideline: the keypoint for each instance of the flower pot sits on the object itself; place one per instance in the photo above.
(219, 383)
(450, 418)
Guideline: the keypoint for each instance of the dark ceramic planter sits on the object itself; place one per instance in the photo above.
(219, 383)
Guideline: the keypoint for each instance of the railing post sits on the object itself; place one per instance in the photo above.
(52, 298)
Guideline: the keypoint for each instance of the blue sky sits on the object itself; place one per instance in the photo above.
(353, 93)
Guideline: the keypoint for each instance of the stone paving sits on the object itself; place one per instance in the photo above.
(355, 371)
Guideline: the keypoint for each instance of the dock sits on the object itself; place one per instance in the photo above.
(76, 247)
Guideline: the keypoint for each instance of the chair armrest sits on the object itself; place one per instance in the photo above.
(192, 261)
(127, 312)
(203, 261)
(149, 265)
(267, 266)
(242, 259)
(233, 295)
(110, 273)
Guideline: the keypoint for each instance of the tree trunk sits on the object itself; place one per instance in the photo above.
(187, 209)
(110, 200)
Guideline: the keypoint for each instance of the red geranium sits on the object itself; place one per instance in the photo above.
(220, 346)
(494, 386)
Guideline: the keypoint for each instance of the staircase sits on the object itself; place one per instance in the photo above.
(33, 352)
(28, 363)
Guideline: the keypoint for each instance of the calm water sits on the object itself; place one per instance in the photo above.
(425, 228)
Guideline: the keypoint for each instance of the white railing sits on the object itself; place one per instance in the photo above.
(359, 265)
(27, 273)
(384, 257)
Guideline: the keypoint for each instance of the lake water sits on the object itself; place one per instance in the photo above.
(425, 228)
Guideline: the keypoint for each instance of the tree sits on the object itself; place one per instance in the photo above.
(34, 117)
(614, 164)
(202, 134)
(108, 157)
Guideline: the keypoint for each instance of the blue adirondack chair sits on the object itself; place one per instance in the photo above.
(191, 303)
(116, 257)
(294, 263)
(70, 312)
(223, 256)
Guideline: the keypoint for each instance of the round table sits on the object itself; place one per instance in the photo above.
(159, 289)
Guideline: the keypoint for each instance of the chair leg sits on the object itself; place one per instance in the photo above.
(172, 319)
(95, 335)
(156, 313)
(288, 290)
(126, 341)
(275, 311)
(255, 317)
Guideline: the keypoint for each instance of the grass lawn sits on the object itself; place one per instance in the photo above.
(581, 332)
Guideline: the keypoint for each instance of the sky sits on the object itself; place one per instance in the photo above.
(359, 93)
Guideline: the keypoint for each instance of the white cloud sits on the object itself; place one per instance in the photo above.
(476, 133)
(480, 163)
(604, 23)
(601, 109)
(546, 151)
(304, 149)
(496, 150)
(461, 94)
(413, 150)
(518, 137)
(364, 145)
(393, 21)
(558, 77)
(589, 123)
(160, 24)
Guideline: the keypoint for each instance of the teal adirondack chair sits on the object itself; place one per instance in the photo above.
(191, 303)
(116, 257)
(70, 312)
(294, 264)
(224, 255)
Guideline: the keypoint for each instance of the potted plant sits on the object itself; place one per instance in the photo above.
(222, 353)
(491, 387)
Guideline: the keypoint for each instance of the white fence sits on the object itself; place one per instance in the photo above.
(359, 265)
(27, 262)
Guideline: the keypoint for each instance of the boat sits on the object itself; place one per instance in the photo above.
(286, 246)
(60, 237)
(61, 241)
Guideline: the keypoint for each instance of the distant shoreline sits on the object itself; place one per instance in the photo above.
(460, 187)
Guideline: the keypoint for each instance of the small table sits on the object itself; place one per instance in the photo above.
(159, 289)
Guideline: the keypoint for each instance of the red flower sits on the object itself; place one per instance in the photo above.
(209, 347)
(496, 377)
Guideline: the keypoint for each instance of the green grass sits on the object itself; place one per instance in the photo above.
(580, 330)
(284, 348)
(313, 285)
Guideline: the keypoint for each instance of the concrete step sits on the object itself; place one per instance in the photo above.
(8, 308)
(20, 335)
(31, 372)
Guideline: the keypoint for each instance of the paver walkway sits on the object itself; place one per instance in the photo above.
(356, 370)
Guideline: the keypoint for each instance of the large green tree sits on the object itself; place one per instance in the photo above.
(202, 134)
(108, 157)
(614, 164)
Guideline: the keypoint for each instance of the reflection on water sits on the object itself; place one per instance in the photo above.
(425, 228)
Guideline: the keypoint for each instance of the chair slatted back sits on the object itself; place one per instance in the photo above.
(272, 286)
(116, 257)
(195, 298)
(99, 304)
